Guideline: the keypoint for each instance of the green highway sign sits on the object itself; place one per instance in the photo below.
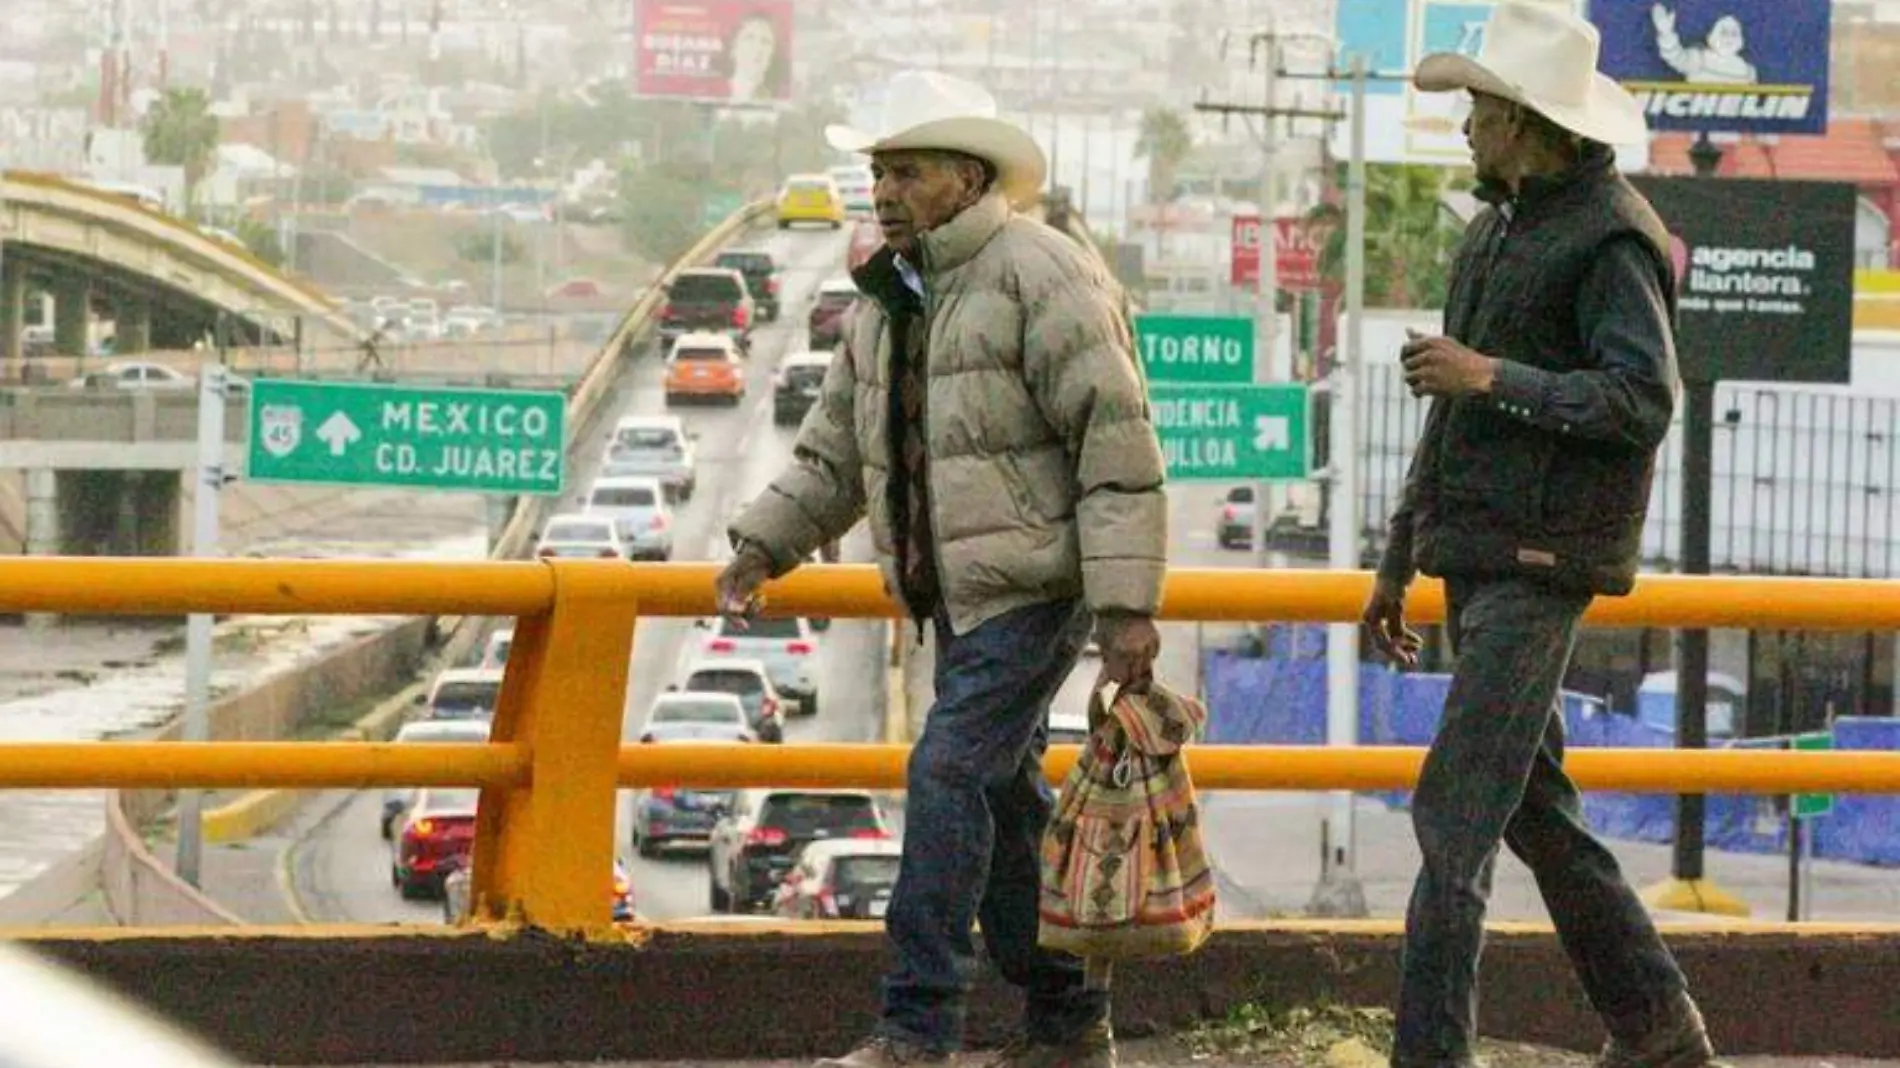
(410, 437)
(1809, 806)
(1203, 349)
(1234, 433)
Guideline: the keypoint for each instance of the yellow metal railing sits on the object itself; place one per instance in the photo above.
(545, 830)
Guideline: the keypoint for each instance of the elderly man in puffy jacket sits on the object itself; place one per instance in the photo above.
(987, 413)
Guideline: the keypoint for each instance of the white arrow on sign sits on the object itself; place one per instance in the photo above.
(339, 432)
(1271, 433)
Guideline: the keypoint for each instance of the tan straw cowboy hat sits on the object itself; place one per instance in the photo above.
(929, 110)
(1544, 57)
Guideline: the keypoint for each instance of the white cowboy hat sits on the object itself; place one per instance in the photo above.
(929, 110)
(1544, 57)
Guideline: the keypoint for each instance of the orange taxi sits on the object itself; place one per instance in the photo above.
(705, 367)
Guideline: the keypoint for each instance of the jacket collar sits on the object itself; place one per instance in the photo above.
(1594, 163)
(945, 248)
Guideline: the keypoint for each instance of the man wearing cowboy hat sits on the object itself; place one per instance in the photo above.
(1552, 388)
(986, 412)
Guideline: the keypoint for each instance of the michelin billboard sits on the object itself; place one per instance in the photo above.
(1404, 125)
(1721, 66)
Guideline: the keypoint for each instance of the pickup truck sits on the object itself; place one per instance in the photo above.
(707, 299)
(761, 277)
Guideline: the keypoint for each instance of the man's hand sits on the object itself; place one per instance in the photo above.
(737, 587)
(1129, 646)
(1384, 618)
(1441, 367)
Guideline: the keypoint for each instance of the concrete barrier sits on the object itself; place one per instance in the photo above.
(53, 891)
(141, 890)
(259, 810)
(286, 996)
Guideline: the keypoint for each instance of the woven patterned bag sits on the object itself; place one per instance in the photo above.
(1124, 873)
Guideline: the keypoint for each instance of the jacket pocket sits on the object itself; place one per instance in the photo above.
(1595, 489)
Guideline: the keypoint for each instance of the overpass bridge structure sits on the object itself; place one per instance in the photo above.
(539, 975)
(165, 283)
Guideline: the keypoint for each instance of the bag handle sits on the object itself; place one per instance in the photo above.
(1107, 694)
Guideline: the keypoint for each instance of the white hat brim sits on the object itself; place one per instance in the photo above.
(1609, 114)
(1020, 164)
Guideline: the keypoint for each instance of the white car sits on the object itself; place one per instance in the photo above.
(495, 653)
(582, 537)
(750, 682)
(787, 647)
(658, 446)
(464, 693)
(697, 716)
(854, 185)
(637, 506)
(135, 374)
(467, 731)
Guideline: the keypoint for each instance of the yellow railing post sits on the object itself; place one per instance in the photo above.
(544, 850)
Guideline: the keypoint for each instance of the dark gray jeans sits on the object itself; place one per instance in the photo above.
(973, 824)
(1495, 774)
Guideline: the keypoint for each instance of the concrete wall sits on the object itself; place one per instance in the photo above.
(139, 889)
(364, 997)
(276, 708)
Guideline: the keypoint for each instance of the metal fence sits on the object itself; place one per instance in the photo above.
(1807, 478)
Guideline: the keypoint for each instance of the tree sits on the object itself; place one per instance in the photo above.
(1409, 239)
(180, 131)
(660, 211)
(1165, 141)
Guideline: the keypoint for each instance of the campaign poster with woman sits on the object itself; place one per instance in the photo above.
(734, 51)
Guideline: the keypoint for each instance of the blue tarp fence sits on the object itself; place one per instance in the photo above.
(1279, 698)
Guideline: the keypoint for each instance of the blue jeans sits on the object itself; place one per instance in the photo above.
(1495, 774)
(973, 830)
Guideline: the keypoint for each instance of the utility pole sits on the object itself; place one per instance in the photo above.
(1266, 44)
(204, 539)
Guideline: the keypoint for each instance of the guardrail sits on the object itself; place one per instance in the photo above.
(545, 831)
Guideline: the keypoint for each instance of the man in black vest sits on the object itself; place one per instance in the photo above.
(1551, 391)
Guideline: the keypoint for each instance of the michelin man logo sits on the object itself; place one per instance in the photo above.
(1718, 61)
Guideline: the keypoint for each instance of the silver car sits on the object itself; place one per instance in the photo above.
(656, 446)
(638, 507)
(787, 647)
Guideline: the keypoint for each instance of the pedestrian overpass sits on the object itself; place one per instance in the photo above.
(539, 973)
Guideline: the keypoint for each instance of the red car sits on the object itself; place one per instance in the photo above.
(825, 325)
(437, 833)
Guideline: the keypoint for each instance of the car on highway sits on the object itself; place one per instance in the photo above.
(637, 506)
(656, 445)
(580, 537)
(854, 185)
(1233, 525)
(697, 716)
(495, 650)
(459, 882)
(707, 300)
(830, 311)
(705, 367)
(749, 681)
(135, 374)
(436, 833)
(840, 879)
(810, 198)
(757, 838)
(788, 647)
(760, 269)
(466, 731)
(463, 693)
(800, 378)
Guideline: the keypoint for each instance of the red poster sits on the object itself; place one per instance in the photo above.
(736, 51)
(1295, 255)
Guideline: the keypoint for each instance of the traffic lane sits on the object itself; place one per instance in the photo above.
(676, 884)
(342, 871)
